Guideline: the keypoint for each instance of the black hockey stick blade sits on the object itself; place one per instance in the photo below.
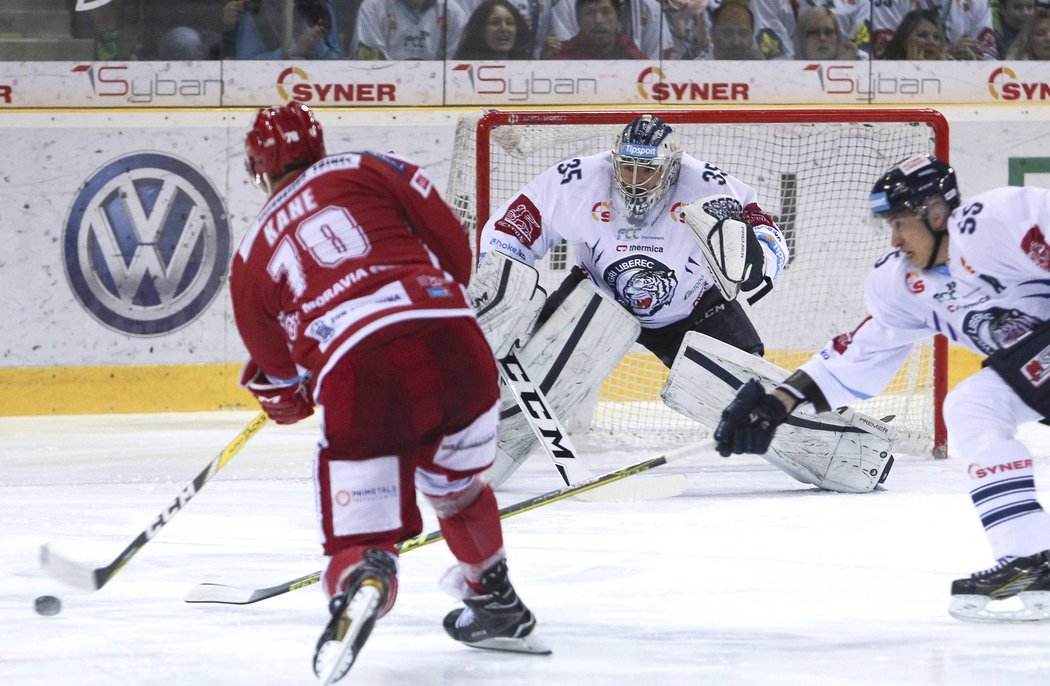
(92, 579)
(233, 595)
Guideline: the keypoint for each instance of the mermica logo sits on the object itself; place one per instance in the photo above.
(1003, 85)
(293, 83)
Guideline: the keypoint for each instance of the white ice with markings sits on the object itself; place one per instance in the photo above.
(747, 578)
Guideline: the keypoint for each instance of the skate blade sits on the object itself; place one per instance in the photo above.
(637, 488)
(528, 644)
(1027, 606)
(335, 658)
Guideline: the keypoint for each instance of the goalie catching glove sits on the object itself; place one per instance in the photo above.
(283, 401)
(749, 422)
(734, 254)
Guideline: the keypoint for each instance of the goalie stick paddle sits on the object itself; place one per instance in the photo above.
(92, 579)
(558, 446)
(233, 595)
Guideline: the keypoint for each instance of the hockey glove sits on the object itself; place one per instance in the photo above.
(749, 422)
(285, 402)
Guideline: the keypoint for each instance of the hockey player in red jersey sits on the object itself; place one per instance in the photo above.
(349, 291)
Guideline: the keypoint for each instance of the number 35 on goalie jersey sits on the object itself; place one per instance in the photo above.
(653, 266)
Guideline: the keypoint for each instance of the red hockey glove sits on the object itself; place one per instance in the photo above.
(285, 402)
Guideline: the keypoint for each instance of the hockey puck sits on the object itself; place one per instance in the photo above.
(47, 605)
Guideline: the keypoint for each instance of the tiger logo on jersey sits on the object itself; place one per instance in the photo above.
(641, 284)
(997, 328)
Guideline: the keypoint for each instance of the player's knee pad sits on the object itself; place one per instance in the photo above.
(471, 449)
(371, 500)
(447, 496)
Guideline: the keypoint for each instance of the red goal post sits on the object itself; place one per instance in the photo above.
(812, 168)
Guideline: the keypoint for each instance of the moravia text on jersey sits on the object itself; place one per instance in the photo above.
(354, 244)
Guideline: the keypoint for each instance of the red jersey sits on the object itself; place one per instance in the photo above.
(354, 244)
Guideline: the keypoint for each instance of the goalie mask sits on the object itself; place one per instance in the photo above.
(281, 140)
(646, 161)
(911, 182)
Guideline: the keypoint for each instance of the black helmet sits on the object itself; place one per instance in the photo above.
(911, 181)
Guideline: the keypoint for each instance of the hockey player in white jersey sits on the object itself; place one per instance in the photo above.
(651, 227)
(979, 273)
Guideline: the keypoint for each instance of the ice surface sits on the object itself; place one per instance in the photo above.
(747, 578)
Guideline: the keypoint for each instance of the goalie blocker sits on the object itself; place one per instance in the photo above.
(846, 451)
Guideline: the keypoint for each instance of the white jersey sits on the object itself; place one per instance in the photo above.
(961, 19)
(391, 30)
(652, 266)
(993, 290)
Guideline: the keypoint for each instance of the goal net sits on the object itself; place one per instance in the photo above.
(813, 171)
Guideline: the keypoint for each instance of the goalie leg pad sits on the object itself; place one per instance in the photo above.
(568, 357)
(507, 299)
(847, 452)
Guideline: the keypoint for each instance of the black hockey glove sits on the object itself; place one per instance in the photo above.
(749, 422)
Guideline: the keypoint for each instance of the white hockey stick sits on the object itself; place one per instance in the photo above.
(93, 578)
(210, 592)
(558, 446)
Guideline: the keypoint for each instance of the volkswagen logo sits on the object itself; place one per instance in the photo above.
(146, 244)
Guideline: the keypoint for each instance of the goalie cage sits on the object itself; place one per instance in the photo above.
(813, 170)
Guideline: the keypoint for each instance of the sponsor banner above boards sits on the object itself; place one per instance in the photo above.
(452, 83)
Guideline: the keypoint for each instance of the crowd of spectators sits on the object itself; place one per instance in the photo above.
(570, 29)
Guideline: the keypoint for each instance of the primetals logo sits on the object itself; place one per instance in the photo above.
(1003, 85)
(653, 85)
(146, 244)
(294, 83)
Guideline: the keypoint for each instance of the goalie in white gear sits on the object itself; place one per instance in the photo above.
(624, 213)
(977, 273)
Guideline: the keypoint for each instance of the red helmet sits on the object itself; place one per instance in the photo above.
(281, 139)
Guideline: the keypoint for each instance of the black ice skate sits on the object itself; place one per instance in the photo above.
(496, 619)
(1026, 578)
(354, 613)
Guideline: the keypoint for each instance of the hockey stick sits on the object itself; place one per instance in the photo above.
(81, 576)
(558, 446)
(234, 595)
